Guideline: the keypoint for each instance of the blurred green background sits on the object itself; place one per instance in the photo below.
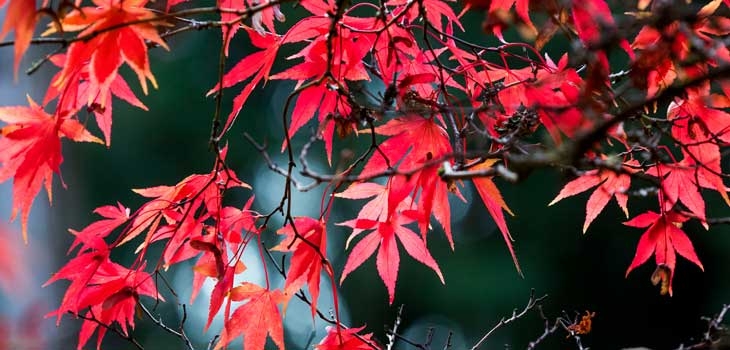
(577, 272)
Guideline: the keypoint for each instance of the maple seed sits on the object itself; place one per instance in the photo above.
(662, 276)
(582, 327)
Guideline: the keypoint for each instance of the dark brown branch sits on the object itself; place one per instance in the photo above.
(158, 321)
(121, 334)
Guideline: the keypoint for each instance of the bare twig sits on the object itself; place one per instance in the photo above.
(392, 332)
(532, 302)
(159, 323)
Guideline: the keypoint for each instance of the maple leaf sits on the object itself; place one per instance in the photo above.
(256, 66)
(79, 271)
(307, 260)
(437, 11)
(108, 49)
(21, 16)
(255, 319)
(663, 239)
(183, 230)
(73, 96)
(388, 260)
(376, 209)
(697, 127)
(610, 185)
(213, 264)
(112, 295)
(348, 54)
(413, 141)
(234, 222)
(31, 144)
(325, 102)
(91, 235)
(700, 117)
(660, 60)
(498, 18)
(222, 288)
(189, 195)
(109, 290)
(592, 18)
(495, 204)
(679, 184)
(347, 339)
(260, 18)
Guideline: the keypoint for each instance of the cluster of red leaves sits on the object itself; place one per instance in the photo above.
(21, 17)
(31, 139)
(698, 128)
(339, 49)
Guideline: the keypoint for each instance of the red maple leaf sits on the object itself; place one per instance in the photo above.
(112, 295)
(348, 54)
(107, 49)
(222, 289)
(323, 101)
(91, 235)
(109, 290)
(255, 319)
(679, 184)
(178, 235)
(414, 141)
(21, 17)
(256, 66)
(79, 93)
(344, 64)
(553, 96)
(188, 196)
(495, 204)
(700, 116)
(347, 339)
(79, 271)
(498, 10)
(375, 209)
(662, 51)
(307, 260)
(610, 184)
(388, 260)
(259, 19)
(663, 239)
(697, 127)
(438, 10)
(31, 144)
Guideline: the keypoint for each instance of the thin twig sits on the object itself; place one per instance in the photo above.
(532, 302)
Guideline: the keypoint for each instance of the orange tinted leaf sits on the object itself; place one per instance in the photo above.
(105, 52)
(492, 199)
(255, 320)
(31, 144)
(20, 17)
